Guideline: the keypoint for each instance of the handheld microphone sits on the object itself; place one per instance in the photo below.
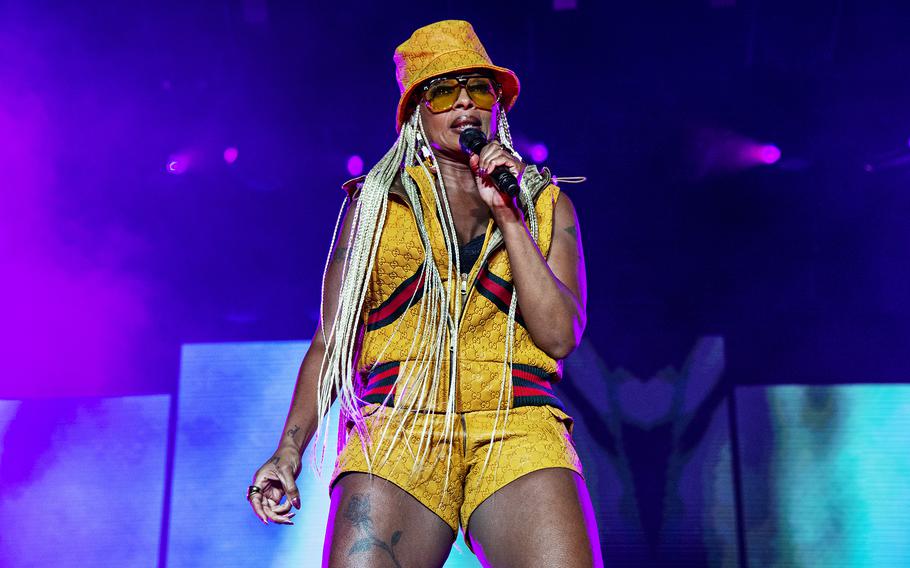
(472, 141)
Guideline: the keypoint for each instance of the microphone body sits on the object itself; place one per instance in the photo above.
(472, 141)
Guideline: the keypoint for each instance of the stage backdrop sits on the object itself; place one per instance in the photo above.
(826, 475)
(657, 456)
(233, 400)
(82, 481)
(823, 482)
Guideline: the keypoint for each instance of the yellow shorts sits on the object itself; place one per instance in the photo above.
(536, 437)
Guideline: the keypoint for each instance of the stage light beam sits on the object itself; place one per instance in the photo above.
(355, 165)
(177, 164)
(769, 154)
(538, 152)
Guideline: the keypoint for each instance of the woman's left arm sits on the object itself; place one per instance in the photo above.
(552, 291)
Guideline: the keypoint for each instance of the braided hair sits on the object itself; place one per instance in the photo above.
(435, 333)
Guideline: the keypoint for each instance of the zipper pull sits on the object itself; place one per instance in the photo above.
(464, 286)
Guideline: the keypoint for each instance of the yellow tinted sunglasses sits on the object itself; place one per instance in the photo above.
(439, 95)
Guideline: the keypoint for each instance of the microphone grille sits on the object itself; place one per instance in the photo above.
(472, 140)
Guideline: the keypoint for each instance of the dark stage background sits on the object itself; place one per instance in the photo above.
(169, 179)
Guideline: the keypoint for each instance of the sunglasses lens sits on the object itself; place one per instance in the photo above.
(442, 95)
(482, 92)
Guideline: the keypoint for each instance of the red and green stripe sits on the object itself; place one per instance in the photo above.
(405, 295)
(497, 290)
(532, 386)
(380, 383)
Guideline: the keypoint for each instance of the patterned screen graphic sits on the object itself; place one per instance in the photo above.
(657, 457)
(82, 481)
(824, 470)
(826, 475)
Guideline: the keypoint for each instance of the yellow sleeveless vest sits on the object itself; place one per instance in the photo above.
(389, 315)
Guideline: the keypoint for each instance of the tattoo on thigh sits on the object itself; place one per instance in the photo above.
(572, 231)
(358, 514)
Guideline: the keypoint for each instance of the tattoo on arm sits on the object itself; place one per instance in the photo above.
(572, 231)
(358, 514)
(293, 432)
(274, 460)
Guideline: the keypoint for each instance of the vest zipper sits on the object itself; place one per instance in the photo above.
(465, 291)
(453, 356)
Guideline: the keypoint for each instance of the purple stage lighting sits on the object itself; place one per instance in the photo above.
(753, 154)
(230, 155)
(355, 165)
(769, 154)
(718, 151)
(177, 164)
(538, 152)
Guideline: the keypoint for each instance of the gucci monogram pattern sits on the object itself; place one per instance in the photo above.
(536, 437)
(482, 338)
(445, 47)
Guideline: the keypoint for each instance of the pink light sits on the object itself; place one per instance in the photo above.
(538, 152)
(355, 165)
(230, 155)
(718, 151)
(176, 165)
(769, 154)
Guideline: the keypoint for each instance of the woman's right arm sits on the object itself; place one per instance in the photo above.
(277, 476)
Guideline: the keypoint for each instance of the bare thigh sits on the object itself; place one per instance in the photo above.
(374, 523)
(544, 518)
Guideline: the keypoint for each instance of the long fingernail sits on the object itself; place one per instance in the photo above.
(297, 502)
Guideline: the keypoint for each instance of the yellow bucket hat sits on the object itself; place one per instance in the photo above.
(440, 48)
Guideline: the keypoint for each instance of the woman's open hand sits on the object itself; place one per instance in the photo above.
(276, 479)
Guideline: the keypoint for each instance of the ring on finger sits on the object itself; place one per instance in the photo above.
(251, 490)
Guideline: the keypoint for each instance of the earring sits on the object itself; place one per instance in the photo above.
(425, 151)
(422, 148)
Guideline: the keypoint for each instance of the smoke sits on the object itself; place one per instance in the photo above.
(70, 311)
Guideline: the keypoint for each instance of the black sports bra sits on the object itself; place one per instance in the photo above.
(470, 252)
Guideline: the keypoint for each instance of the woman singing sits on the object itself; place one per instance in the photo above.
(448, 306)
